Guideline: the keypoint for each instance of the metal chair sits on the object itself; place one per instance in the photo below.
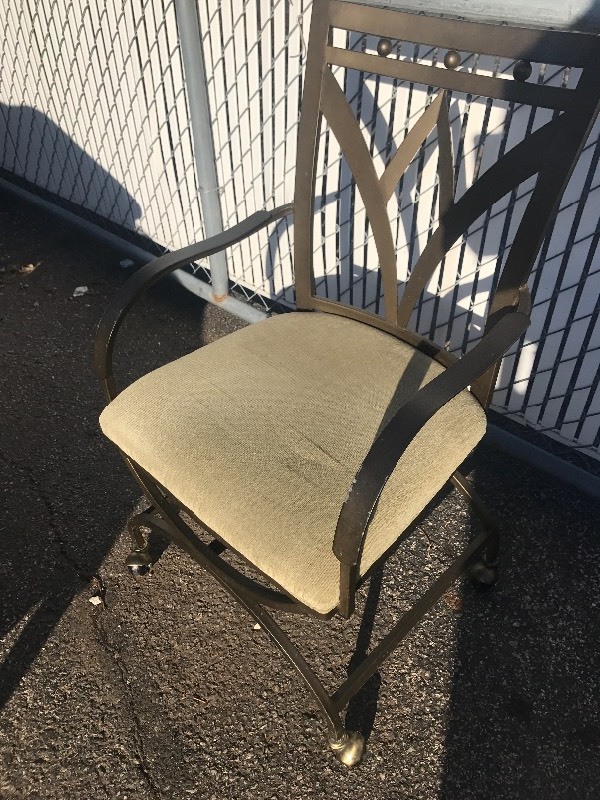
(322, 465)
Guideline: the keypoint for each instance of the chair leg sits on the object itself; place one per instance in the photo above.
(484, 572)
(347, 746)
(139, 561)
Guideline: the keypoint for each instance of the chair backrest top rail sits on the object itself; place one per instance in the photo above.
(564, 48)
(576, 15)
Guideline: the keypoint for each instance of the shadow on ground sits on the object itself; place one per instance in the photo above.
(60, 516)
(523, 716)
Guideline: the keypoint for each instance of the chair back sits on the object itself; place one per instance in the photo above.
(444, 92)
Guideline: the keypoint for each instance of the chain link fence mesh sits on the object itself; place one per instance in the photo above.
(94, 111)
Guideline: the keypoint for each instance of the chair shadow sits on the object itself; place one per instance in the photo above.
(42, 574)
(503, 737)
(522, 716)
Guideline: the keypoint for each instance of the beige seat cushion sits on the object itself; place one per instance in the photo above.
(260, 434)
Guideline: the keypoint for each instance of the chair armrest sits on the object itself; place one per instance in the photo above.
(406, 423)
(150, 273)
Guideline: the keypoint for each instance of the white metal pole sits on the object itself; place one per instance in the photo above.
(190, 38)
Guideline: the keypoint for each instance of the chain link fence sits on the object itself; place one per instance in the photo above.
(94, 109)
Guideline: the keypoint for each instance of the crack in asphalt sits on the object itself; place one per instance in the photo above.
(140, 757)
(57, 539)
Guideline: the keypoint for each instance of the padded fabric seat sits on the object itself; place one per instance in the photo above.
(261, 433)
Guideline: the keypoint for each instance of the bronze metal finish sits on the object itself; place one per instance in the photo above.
(452, 59)
(349, 748)
(384, 47)
(522, 70)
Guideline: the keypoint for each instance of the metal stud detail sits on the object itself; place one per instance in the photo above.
(384, 47)
(522, 71)
(452, 59)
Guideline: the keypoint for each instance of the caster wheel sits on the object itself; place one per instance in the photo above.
(349, 748)
(484, 575)
(138, 562)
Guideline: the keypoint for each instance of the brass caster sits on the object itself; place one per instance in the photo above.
(138, 562)
(484, 575)
(349, 748)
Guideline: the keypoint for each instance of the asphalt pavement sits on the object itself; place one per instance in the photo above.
(160, 687)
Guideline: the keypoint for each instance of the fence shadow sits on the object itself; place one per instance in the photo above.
(60, 166)
(62, 506)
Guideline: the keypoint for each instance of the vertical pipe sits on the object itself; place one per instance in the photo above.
(190, 38)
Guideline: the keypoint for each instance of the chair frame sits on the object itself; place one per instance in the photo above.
(551, 152)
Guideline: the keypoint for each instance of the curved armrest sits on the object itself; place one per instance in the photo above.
(150, 273)
(388, 447)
